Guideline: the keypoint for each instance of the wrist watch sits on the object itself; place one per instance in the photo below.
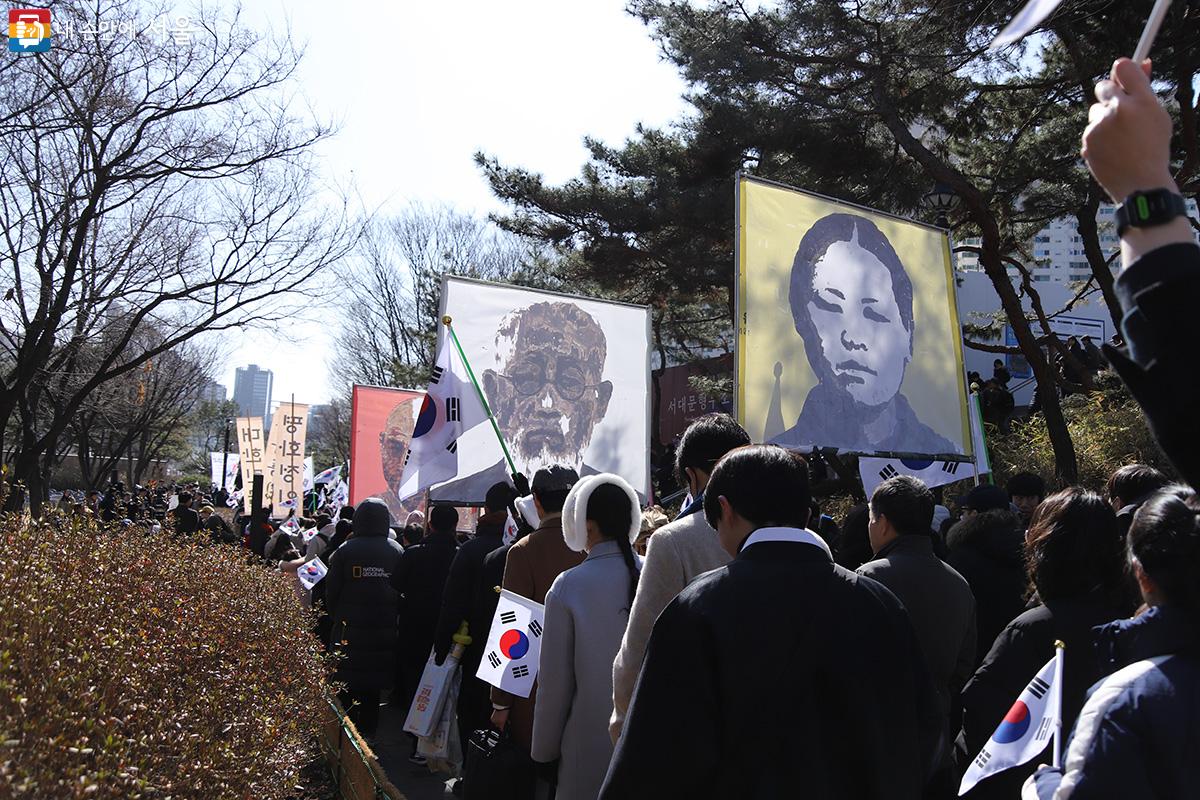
(1148, 209)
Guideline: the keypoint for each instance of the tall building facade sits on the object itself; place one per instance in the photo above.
(1057, 249)
(252, 392)
(212, 392)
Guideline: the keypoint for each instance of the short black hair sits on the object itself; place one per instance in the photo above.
(498, 497)
(552, 501)
(1133, 482)
(1025, 484)
(1165, 539)
(346, 512)
(765, 484)
(907, 503)
(185, 497)
(705, 441)
(443, 519)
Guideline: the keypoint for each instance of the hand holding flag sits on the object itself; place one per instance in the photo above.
(1034, 718)
(311, 573)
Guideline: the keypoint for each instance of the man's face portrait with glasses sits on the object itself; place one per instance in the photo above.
(546, 390)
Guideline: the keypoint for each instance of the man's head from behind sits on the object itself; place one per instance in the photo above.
(498, 497)
(1133, 483)
(900, 506)
(550, 488)
(759, 486)
(704, 443)
(443, 519)
(185, 499)
(547, 390)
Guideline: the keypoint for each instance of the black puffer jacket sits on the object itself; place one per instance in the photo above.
(987, 550)
(458, 597)
(361, 601)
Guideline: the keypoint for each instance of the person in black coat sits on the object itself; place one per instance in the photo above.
(362, 606)
(986, 548)
(458, 606)
(1128, 488)
(780, 674)
(420, 578)
(1075, 563)
(187, 521)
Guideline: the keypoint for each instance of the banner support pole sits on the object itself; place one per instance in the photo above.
(1059, 646)
(448, 322)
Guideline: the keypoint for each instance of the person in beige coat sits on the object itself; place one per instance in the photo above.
(677, 553)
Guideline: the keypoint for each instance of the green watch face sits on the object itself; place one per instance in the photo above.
(1141, 208)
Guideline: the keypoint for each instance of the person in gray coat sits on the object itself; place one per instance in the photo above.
(587, 609)
(938, 600)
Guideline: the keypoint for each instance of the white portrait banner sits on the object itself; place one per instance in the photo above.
(567, 380)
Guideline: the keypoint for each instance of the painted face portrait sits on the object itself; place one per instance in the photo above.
(547, 391)
(852, 306)
(394, 440)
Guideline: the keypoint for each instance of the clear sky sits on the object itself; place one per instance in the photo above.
(419, 87)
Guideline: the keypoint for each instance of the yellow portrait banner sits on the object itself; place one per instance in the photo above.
(848, 330)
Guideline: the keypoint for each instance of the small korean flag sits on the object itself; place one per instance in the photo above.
(511, 531)
(311, 573)
(510, 657)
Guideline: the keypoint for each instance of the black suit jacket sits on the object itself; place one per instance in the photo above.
(1160, 293)
(779, 675)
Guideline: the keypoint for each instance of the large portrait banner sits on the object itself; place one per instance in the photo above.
(381, 427)
(849, 335)
(567, 379)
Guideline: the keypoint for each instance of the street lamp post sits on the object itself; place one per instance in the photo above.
(941, 200)
(225, 457)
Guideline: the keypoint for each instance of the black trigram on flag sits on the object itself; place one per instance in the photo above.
(535, 628)
(452, 409)
(435, 376)
(520, 671)
(508, 617)
(493, 659)
(982, 759)
(888, 472)
(1038, 688)
(452, 447)
(407, 456)
(1044, 731)
(950, 467)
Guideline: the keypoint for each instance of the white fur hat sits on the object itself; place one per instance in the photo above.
(574, 514)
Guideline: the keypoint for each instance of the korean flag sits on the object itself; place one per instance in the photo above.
(510, 657)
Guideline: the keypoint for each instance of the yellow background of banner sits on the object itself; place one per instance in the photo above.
(772, 220)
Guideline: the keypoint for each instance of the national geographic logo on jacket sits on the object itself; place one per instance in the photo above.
(369, 572)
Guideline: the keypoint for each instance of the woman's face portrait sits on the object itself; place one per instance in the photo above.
(864, 343)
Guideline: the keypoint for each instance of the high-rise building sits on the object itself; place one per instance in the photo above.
(252, 392)
(212, 392)
(1057, 249)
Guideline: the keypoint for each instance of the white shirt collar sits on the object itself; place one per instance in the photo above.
(794, 535)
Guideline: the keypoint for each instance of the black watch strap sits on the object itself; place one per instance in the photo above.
(1148, 209)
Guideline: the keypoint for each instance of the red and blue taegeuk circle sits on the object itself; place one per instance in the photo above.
(426, 418)
(514, 644)
(1015, 724)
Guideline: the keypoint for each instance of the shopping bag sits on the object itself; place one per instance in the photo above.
(442, 748)
(430, 696)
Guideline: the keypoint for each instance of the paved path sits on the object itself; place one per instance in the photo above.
(393, 747)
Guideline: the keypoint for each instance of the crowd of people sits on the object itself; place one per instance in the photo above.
(755, 647)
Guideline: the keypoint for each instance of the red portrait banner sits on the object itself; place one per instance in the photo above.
(381, 425)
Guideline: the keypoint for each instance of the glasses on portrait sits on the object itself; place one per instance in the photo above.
(530, 379)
